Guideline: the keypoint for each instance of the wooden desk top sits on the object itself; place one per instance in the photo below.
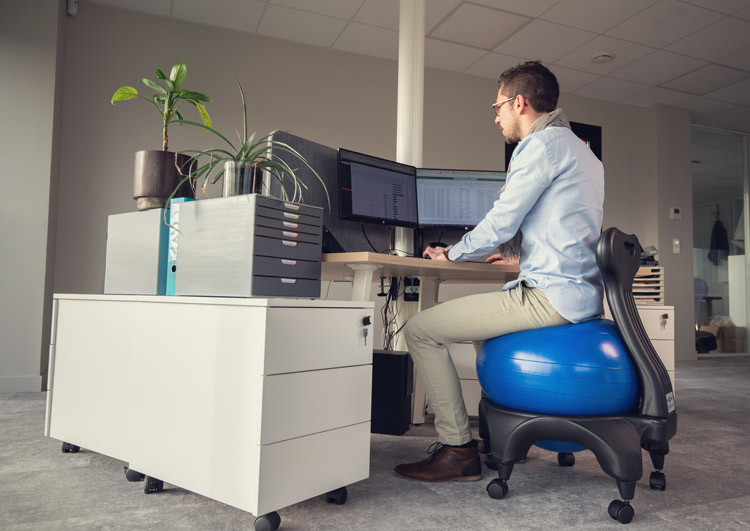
(335, 267)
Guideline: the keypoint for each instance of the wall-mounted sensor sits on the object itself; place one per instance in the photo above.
(676, 245)
(675, 213)
(72, 7)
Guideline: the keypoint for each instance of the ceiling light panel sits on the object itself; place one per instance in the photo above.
(725, 37)
(240, 16)
(658, 67)
(478, 26)
(595, 15)
(624, 54)
(544, 41)
(301, 26)
(663, 23)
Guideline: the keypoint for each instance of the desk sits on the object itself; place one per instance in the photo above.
(257, 403)
(361, 267)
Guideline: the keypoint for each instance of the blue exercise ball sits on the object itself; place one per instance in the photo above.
(580, 369)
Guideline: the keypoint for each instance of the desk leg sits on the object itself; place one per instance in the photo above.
(362, 281)
(428, 297)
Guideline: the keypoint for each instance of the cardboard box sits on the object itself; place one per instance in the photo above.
(731, 339)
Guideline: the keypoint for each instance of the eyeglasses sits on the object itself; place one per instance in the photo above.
(496, 106)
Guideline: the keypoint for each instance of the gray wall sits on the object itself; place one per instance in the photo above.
(29, 56)
(332, 97)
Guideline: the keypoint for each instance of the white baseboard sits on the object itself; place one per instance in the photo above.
(20, 384)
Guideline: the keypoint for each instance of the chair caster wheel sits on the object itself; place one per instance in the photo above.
(497, 489)
(490, 462)
(68, 448)
(658, 480)
(621, 511)
(566, 459)
(133, 476)
(337, 496)
(152, 485)
(268, 522)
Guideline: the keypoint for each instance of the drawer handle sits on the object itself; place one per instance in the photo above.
(290, 215)
(290, 225)
(288, 262)
(288, 280)
(291, 206)
(289, 244)
(289, 234)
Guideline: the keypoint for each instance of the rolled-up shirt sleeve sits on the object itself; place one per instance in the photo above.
(523, 188)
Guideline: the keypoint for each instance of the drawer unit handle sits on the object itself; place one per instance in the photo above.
(290, 225)
(291, 206)
(290, 215)
(289, 244)
(288, 262)
(290, 234)
(288, 280)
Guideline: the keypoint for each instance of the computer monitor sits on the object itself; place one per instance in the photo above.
(456, 199)
(376, 190)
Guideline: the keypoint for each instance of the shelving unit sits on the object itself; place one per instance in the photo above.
(648, 286)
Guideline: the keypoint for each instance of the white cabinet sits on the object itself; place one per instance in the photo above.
(257, 403)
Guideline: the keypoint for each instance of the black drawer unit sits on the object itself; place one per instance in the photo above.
(249, 246)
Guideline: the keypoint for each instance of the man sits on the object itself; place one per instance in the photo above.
(553, 195)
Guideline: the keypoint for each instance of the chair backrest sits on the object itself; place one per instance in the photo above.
(618, 257)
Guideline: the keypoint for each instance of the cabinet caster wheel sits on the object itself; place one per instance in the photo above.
(566, 459)
(133, 476)
(153, 485)
(658, 480)
(490, 462)
(621, 511)
(68, 448)
(497, 489)
(268, 522)
(337, 496)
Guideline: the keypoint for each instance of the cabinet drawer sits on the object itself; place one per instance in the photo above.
(287, 234)
(304, 339)
(656, 324)
(304, 403)
(286, 248)
(276, 220)
(306, 212)
(285, 287)
(665, 349)
(286, 267)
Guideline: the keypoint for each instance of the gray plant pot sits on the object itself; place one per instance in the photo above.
(239, 179)
(155, 177)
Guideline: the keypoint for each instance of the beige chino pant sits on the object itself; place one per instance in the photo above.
(474, 318)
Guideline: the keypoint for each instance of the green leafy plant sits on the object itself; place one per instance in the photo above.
(168, 98)
(261, 153)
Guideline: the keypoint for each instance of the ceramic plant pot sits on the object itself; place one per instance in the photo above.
(156, 175)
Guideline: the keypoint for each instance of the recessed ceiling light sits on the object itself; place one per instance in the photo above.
(602, 57)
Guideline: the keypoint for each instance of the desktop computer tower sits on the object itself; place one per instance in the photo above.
(392, 377)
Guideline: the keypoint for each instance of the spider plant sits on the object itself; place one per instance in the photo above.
(257, 152)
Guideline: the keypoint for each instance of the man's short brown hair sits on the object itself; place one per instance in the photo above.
(533, 81)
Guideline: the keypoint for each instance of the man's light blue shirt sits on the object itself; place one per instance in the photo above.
(554, 194)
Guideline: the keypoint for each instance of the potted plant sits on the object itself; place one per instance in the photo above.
(241, 165)
(157, 173)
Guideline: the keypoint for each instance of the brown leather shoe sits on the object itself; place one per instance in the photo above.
(446, 463)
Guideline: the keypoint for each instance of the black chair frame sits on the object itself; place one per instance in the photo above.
(616, 441)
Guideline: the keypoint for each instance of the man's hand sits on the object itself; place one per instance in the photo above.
(435, 253)
(500, 260)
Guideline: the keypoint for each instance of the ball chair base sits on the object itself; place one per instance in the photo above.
(616, 441)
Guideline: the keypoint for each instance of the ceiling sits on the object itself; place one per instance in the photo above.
(693, 54)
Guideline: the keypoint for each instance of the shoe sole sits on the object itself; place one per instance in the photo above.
(461, 479)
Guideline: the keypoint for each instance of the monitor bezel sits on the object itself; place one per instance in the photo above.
(350, 216)
(447, 226)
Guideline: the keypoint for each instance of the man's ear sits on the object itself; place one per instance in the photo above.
(521, 103)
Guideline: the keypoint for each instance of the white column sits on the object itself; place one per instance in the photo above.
(410, 98)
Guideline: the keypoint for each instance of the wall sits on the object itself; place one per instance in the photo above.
(332, 97)
(28, 65)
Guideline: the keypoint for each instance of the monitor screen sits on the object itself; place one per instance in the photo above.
(377, 190)
(456, 198)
